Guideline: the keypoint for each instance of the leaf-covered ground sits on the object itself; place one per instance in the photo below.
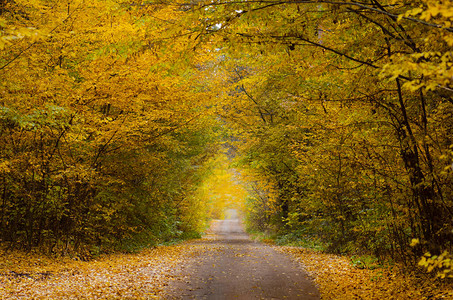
(338, 279)
(118, 276)
(145, 276)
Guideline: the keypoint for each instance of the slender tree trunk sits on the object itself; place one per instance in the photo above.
(422, 192)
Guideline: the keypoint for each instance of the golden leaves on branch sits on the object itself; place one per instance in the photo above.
(431, 66)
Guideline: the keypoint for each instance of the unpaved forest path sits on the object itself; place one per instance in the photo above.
(234, 267)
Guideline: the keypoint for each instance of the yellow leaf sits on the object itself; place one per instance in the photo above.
(414, 242)
(422, 261)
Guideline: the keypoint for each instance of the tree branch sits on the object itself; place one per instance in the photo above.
(361, 5)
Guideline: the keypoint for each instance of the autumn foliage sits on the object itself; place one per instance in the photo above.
(103, 137)
(342, 112)
(337, 114)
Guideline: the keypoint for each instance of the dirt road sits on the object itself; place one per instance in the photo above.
(231, 266)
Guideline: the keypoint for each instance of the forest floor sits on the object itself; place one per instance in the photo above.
(189, 270)
(337, 278)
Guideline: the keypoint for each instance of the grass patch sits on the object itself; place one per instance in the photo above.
(365, 262)
(294, 239)
(298, 239)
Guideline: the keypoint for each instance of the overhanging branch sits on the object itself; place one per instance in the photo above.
(357, 4)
